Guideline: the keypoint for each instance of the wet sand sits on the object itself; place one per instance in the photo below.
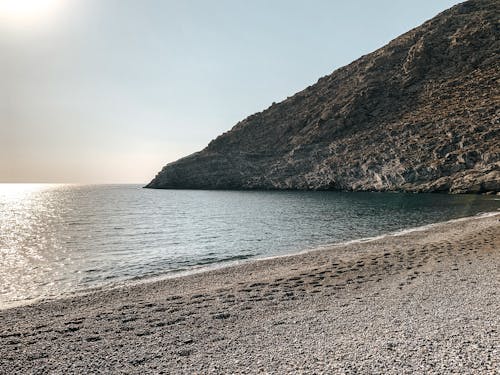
(422, 302)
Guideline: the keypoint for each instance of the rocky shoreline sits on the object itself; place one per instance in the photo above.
(417, 115)
(420, 302)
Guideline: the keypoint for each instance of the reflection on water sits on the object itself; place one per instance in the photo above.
(33, 255)
(55, 239)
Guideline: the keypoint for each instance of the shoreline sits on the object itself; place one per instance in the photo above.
(370, 306)
(228, 264)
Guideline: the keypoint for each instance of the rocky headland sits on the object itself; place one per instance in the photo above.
(421, 114)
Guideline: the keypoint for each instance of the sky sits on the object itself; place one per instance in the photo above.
(109, 91)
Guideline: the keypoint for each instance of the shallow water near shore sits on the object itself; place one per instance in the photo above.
(57, 239)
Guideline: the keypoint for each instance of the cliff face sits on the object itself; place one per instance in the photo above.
(420, 114)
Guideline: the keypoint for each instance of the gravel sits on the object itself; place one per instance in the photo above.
(422, 302)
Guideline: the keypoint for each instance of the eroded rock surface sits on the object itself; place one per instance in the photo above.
(420, 114)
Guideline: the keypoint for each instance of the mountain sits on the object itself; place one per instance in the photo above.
(421, 114)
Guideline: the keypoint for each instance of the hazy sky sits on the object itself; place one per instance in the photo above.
(111, 90)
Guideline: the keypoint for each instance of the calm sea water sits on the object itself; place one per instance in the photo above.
(57, 239)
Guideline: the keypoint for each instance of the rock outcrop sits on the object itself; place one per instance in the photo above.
(421, 114)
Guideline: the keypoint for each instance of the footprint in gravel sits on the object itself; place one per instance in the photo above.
(127, 320)
(69, 329)
(36, 356)
(143, 333)
(184, 352)
(160, 309)
(221, 316)
(175, 321)
(67, 323)
(257, 284)
(255, 299)
(93, 338)
(137, 362)
(172, 298)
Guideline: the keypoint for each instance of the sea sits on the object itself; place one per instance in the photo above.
(60, 239)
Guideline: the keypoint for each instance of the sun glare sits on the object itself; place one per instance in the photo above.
(22, 13)
(17, 191)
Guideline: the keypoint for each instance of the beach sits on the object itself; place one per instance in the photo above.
(424, 301)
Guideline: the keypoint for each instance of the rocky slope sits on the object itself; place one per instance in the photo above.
(420, 114)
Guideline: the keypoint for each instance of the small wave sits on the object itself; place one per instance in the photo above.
(398, 233)
(236, 259)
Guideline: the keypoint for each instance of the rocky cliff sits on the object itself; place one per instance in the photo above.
(419, 114)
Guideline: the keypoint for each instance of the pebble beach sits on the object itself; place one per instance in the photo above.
(425, 301)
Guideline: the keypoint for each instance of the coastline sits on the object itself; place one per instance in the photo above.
(227, 264)
(332, 310)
